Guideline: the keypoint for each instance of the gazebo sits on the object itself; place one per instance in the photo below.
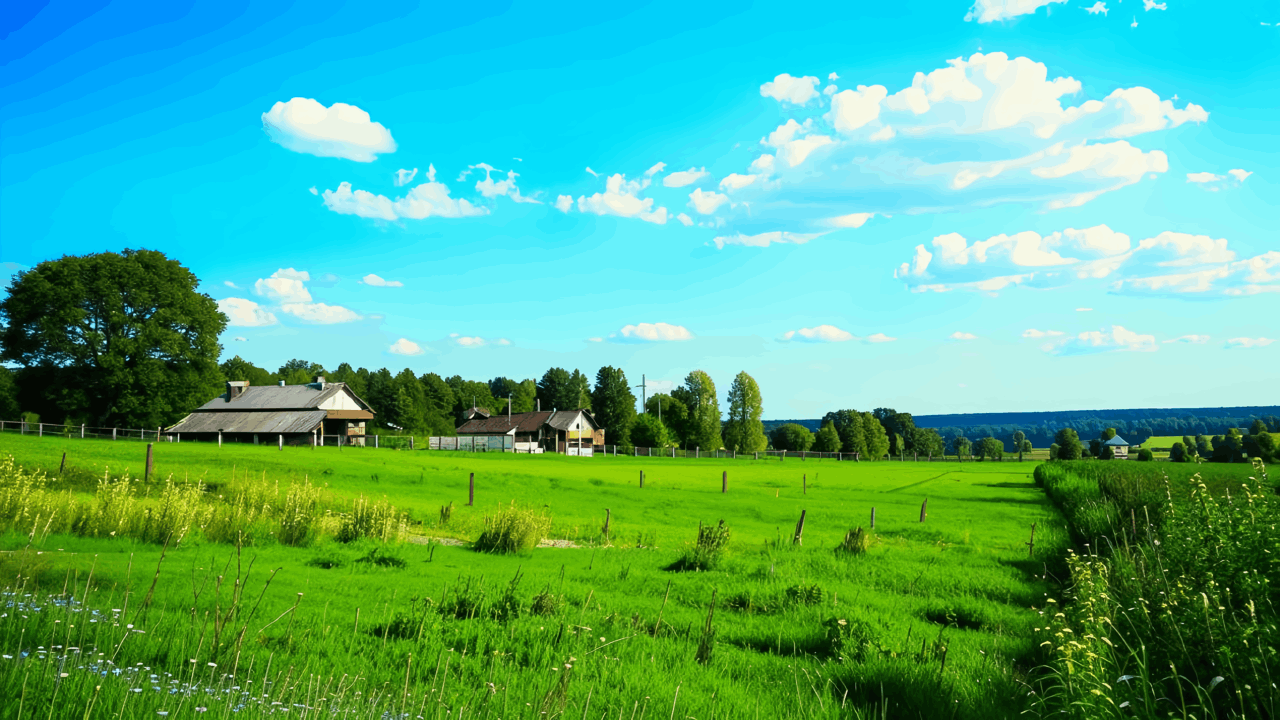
(1119, 447)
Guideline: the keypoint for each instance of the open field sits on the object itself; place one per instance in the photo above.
(937, 616)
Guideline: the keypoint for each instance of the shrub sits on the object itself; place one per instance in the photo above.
(849, 638)
(805, 594)
(855, 542)
(513, 530)
(301, 507)
(1145, 455)
(546, 603)
(376, 521)
(708, 551)
(380, 557)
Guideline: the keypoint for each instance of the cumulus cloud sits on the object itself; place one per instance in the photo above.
(284, 285)
(491, 189)
(1115, 339)
(1247, 342)
(706, 202)
(1189, 339)
(375, 281)
(962, 336)
(682, 178)
(564, 203)
(404, 177)
(340, 130)
(429, 199)
(734, 181)
(657, 168)
(320, 314)
(1203, 264)
(1097, 7)
(654, 332)
(404, 346)
(985, 11)
(794, 90)
(245, 313)
(621, 198)
(820, 334)
(1150, 5)
(1239, 174)
(684, 219)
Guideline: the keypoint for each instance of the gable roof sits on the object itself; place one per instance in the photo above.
(280, 397)
(564, 419)
(1117, 441)
(500, 425)
(270, 421)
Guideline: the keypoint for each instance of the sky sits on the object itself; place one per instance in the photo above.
(942, 207)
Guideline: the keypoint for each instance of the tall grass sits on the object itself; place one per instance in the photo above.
(1172, 608)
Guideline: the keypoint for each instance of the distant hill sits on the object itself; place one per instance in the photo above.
(1133, 424)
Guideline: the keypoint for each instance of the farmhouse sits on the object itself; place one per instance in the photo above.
(574, 432)
(298, 414)
(1119, 446)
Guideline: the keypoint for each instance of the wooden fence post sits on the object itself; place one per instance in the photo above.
(81, 431)
(146, 475)
(797, 540)
(410, 442)
(63, 466)
(607, 515)
(924, 509)
(40, 430)
(471, 490)
(642, 478)
(280, 440)
(375, 441)
(724, 482)
(113, 433)
(1031, 544)
(804, 484)
(873, 518)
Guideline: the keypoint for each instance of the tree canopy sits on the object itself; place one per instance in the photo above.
(743, 431)
(702, 430)
(123, 339)
(649, 432)
(614, 404)
(673, 414)
(827, 439)
(792, 437)
(1069, 445)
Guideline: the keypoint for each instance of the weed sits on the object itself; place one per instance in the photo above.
(805, 594)
(512, 530)
(708, 551)
(380, 557)
(855, 542)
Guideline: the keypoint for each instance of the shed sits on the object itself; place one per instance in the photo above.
(299, 414)
(574, 432)
(1119, 447)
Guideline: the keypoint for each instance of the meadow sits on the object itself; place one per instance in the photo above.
(928, 619)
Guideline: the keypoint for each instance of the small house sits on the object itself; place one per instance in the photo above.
(1119, 447)
(295, 414)
(573, 432)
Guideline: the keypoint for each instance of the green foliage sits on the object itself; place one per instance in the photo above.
(1053, 451)
(848, 424)
(124, 338)
(874, 436)
(650, 432)
(850, 639)
(961, 445)
(827, 439)
(990, 448)
(856, 542)
(673, 413)
(1145, 455)
(557, 391)
(898, 429)
(8, 394)
(743, 431)
(708, 551)
(513, 530)
(581, 391)
(1069, 445)
(614, 405)
(805, 594)
(792, 437)
(373, 520)
(698, 393)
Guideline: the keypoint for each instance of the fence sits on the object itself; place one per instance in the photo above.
(782, 455)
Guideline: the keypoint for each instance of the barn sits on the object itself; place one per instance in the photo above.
(574, 432)
(315, 413)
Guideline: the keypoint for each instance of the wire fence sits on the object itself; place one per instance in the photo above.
(783, 455)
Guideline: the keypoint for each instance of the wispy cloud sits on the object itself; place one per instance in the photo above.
(1188, 339)
(962, 336)
(1114, 339)
(1247, 342)
(375, 281)
(986, 11)
(426, 200)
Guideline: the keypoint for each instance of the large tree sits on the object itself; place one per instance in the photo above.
(300, 372)
(614, 404)
(9, 409)
(827, 439)
(848, 423)
(791, 436)
(582, 398)
(557, 391)
(673, 414)
(649, 432)
(927, 442)
(1069, 445)
(743, 431)
(119, 339)
(898, 427)
(440, 403)
(1019, 438)
(237, 368)
(698, 393)
(875, 437)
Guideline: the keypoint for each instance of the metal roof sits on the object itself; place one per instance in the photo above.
(564, 419)
(499, 424)
(280, 421)
(1117, 441)
(279, 397)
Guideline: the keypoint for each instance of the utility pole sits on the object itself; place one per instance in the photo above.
(643, 395)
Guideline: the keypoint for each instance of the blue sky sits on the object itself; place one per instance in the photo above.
(941, 207)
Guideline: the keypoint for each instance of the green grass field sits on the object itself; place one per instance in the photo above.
(941, 611)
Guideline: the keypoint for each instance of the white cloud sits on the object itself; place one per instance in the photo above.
(734, 181)
(821, 333)
(1202, 177)
(375, 281)
(655, 169)
(1098, 7)
(465, 341)
(985, 11)
(404, 177)
(245, 313)
(622, 199)
(1239, 174)
(765, 239)
(595, 339)
(795, 90)
(682, 178)
(428, 199)
(832, 77)
(957, 335)
(490, 189)
(1246, 342)
(1116, 339)
(684, 219)
(851, 109)
(344, 131)
(1084, 309)
(593, 172)
(241, 339)
(880, 338)
(1150, 5)
(1189, 339)
(1036, 334)
(230, 284)
(655, 332)
(884, 133)
(320, 313)
(564, 202)
(706, 202)
(853, 220)
(284, 285)
(404, 346)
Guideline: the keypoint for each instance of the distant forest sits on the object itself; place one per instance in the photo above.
(1134, 424)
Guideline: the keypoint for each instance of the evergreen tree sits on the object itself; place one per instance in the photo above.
(1069, 445)
(614, 405)
(699, 395)
(556, 390)
(582, 391)
(743, 432)
(412, 416)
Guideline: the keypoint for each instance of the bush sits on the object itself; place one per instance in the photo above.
(850, 638)
(855, 542)
(513, 530)
(805, 594)
(1145, 455)
(708, 551)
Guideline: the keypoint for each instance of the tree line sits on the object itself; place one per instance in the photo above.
(1231, 446)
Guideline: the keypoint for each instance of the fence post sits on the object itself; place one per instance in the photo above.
(471, 490)
(724, 482)
(410, 442)
(641, 478)
(63, 467)
(40, 430)
(697, 452)
(797, 540)
(313, 438)
(873, 518)
(81, 431)
(146, 473)
(804, 484)
(607, 514)
(375, 441)
(924, 509)
(280, 438)
(1031, 544)
(113, 433)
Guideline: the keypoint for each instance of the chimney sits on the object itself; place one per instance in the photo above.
(320, 381)
(235, 388)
